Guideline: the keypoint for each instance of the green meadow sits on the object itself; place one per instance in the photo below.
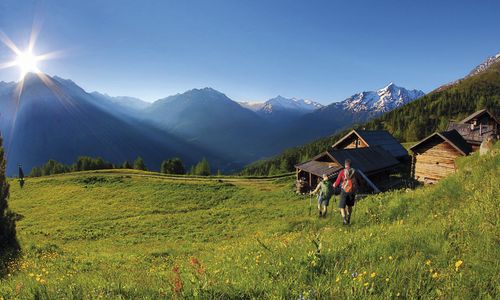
(138, 235)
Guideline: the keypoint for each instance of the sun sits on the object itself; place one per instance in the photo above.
(27, 62)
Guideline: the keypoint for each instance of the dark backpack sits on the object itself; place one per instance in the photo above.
(326, 190)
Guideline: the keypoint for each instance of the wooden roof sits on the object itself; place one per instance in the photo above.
(452, 137)
(368, 160)
(372, 138)
(319, 168)
(473, 135)
(479, 114)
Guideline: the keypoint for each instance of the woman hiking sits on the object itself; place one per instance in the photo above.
(348, 191)
(325, 190)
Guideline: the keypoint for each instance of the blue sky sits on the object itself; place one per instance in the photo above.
(255, 50)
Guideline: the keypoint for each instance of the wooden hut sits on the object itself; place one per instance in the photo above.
(477, 127)
(370, 138)
(434, 157)
(373, 164)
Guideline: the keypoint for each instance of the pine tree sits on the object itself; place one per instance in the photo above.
(139, 164)
(126, 165)
(8, 239)
(173, 166)
(202, 168)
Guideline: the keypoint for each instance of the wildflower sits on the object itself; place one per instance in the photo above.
(193, 261)
(31, 274)
(345, 271)
(428, 262)
(354, 275)
(435, 275)
(372, 275)
(366, 284)
(387, 279)
(458, 264)
(398, 294)
(390, 257)
(338, 279)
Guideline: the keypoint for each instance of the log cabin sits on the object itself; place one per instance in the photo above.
(477, 127)
(434, 157)
(373, 163)
(370, 138)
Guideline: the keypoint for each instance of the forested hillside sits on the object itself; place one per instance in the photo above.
(409, 123)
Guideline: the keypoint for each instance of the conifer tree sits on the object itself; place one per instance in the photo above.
(173, 166)
(126, 165)
(202, 168)
(8, 239)
(139, 164)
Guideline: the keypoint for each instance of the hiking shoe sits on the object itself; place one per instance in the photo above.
(324, 215)
(320, 214)
(348, 219)
(345, 221)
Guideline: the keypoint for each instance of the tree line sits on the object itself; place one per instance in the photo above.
(409, 123)
(86, 163)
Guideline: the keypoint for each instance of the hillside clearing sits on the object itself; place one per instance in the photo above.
(138, 235)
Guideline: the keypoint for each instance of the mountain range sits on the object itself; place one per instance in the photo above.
(411, 122)
(61, 121)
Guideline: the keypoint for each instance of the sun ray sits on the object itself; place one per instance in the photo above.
(8, 64)
(9, 43)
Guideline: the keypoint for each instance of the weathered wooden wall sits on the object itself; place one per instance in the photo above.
(434, 161)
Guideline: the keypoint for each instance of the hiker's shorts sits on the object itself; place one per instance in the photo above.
(346, 199)
(323, 200)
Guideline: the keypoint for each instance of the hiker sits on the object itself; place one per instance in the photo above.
(21, 176)
(348, 190)
(325, 193)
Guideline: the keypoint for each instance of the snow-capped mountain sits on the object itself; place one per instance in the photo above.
(485, 65)
(383, 100)
(280, 103)
(251, 105)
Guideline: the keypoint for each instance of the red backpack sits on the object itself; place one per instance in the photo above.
(347, 184)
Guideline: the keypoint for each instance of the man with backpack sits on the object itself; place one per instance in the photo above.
(325, 190)
(348, 191)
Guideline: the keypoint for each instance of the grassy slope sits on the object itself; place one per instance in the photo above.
(117, 235)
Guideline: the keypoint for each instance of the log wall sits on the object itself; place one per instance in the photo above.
(435, 160)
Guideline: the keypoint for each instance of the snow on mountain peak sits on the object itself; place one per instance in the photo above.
(291, 104)
(485, 65)
(383, 100)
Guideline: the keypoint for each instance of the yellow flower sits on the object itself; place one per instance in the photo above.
(338, 279)
(387, 279)
(345, 271)
(458, 264)
(390, 257)
(435, 275)
(373, 274)
(428, 262)
(31, 274)
(366, 284)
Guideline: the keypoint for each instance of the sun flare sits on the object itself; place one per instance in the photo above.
(27, 62)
